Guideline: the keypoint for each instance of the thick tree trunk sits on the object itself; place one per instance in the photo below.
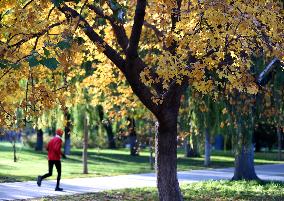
(279, 137)
(39, 140)
(166, 159)
(244, 164)
(85, 146)
(207, 148)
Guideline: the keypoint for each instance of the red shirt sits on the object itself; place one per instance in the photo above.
(54, 148)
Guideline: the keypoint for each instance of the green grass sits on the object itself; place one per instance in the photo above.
(209, 190)
(101, 163)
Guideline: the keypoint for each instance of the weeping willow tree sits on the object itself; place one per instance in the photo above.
(271, 100)
(206, 115)
(245, 111)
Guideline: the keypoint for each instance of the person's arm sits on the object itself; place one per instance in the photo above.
(58, 149)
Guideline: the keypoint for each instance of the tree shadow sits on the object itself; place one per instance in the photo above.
(4, 178)
(113, 157)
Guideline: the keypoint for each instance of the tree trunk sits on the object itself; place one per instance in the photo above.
(279, 143)
(110, 135)
(244, 164)
(132, 138)
(187, 147)
(107, 126)
(85, 146)
(39, 140)
(194, 139)
(14, 149)
(207, 148)
(151, 158)
(67, 130)
(166, 159)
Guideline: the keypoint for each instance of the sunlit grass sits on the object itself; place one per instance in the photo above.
(102, 162)
(209, 191)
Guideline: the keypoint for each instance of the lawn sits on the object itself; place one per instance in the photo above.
(101, 162)
(209, 190)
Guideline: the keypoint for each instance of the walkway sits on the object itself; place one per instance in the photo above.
(24, 190)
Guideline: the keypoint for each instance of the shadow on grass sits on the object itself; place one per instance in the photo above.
(113, 157)
(119, 158)
(14, 178)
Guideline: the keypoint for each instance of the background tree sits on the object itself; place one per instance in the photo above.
(205, 44)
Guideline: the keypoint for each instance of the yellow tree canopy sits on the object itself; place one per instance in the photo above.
(207, 44)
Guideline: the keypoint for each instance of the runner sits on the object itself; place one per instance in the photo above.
(54, 156)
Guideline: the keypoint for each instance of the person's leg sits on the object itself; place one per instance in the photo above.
(50, 169)
(58, 168)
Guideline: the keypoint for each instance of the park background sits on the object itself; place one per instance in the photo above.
(135, 84)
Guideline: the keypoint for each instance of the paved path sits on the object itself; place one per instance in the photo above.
(24, 190)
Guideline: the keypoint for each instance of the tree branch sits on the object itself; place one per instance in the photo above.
(266, 71)
(175, 16)
(158, 33)
(19, 43)
(93, 36)
(28, 4)
(1, 106)
(136, 29)
(118, 29)
(132, 67)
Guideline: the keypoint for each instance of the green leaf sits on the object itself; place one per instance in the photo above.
(63, 45)
(50, 63)
(58, 2)
(79, 40)
(3, 64)
(114, 5)
(101, 21)
(23, 82)
(87, 65)
(46, 52)
(33, 61)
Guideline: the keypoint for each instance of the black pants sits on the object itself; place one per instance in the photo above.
(50, 169)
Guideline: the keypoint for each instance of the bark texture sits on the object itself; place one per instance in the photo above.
(107, 126)
(166, 160)
(39, 140)
(244, 164)
(207, 148)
